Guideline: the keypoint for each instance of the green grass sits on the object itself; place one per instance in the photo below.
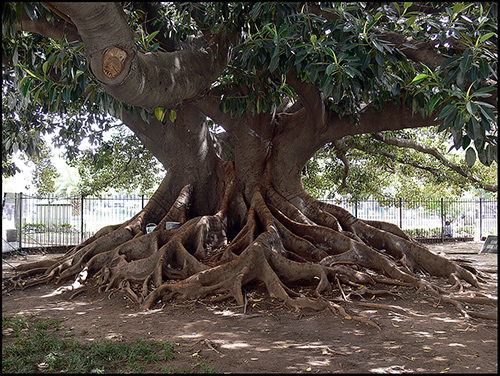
(32, 345)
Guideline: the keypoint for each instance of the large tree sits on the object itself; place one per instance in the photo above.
(234, 99)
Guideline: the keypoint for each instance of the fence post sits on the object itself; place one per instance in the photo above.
(400, 213)
(356, 206)
(442, 220)
(480, 218)
(81, 223)
(20, 219)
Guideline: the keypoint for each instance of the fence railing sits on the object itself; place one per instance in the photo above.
(426, 219)
(29, 221)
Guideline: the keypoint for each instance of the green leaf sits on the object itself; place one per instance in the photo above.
(471, 108)
(330, 52)
(143, 113)
(378, 45)
(433, 101)
(470, 156)
(466, 61)
(379, 57)
(410, 21)
(330, 68)
(486, 89)
(15, 56)
(420, 76)
(396, 88)
(152, 35)
(484, 68)
(486, 37)
(274, 63)
(446, 110)
(254, 12)
(487, 112)
(459, 121)
(30, 11)
(172, 115)
(406, 5)
(45, 67)
(26, 87)
(155, 47)
(159, 113)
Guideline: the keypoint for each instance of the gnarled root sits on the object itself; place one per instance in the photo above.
(281, 243)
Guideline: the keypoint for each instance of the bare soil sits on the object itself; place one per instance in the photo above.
(424, 336)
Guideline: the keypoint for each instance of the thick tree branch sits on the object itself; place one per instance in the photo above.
(148, 80)
(403, 143)
(389, 118)
(350, 143)
(57, 31)
(341, 152)
(423, 52)
(209, 105)
(310, 97)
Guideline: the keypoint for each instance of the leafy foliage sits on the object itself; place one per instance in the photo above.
(121, 163)
(379, 170)
(345, 49)
(44, 173)
(348, 56)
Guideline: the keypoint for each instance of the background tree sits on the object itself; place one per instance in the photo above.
(281, 80)
(121, 163)
(44, 173)
(414, 164)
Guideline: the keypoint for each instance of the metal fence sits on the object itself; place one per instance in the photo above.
(29, 221)
(425, 219)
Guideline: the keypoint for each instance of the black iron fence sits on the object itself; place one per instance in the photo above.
(29, 221)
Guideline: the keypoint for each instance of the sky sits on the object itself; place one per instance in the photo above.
(22, 180)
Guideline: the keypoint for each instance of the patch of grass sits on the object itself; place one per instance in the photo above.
(30, 345)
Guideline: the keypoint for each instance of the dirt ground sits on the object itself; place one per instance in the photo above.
(425, 336)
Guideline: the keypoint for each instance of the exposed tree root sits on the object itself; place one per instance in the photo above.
(281, 243)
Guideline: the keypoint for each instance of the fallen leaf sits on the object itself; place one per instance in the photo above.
(308, 368)
(397, 326)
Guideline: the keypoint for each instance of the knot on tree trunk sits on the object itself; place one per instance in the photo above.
(113, 61)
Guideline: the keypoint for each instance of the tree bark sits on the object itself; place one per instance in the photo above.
(148, 80)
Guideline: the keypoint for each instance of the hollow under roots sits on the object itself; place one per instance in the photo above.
(278, 243)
